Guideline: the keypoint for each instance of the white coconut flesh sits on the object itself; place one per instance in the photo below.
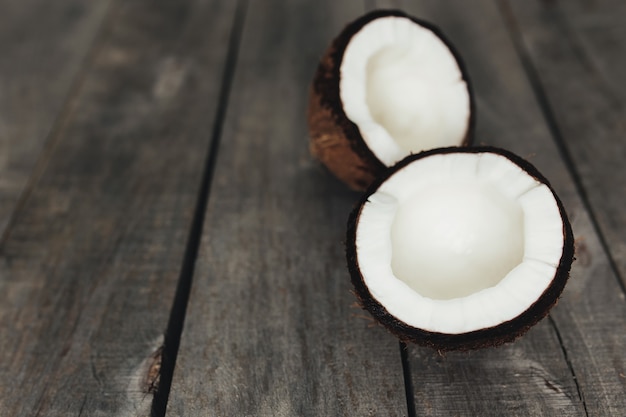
(401, 85)
(453, 243)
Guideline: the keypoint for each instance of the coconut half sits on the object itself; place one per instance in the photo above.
(388, 86)
(459, 248)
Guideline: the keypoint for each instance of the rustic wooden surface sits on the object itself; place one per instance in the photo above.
(90, 263)
(156, 189)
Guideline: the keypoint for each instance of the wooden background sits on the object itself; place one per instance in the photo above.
(155, 179)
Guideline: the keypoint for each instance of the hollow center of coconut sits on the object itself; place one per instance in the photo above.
(403, 88)
(457, 242)
(453, 238)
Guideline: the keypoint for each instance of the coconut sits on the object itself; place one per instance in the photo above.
(459, 248)
(389, 85)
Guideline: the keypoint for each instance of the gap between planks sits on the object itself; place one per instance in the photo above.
(581, 396)
(176, 321)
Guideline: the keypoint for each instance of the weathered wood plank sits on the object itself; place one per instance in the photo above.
(271, 329)
(578, 53)
(44, 45)
(526, 378)
(90, 264)
(574, 55)
(589, 323)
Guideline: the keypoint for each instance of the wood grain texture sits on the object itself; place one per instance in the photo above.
(587, 329)
(271, 329)
(578, 52)
(526, 378)
(44, 46)
(89, 266)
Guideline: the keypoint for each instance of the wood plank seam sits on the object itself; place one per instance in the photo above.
(581, 396)
(546, 108)
(178, 311)
(408, 380)
(62, 120)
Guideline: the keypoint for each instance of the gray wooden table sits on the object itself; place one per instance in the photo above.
(168, 247)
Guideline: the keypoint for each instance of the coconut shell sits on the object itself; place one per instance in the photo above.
(335, 140)
(488, 337)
